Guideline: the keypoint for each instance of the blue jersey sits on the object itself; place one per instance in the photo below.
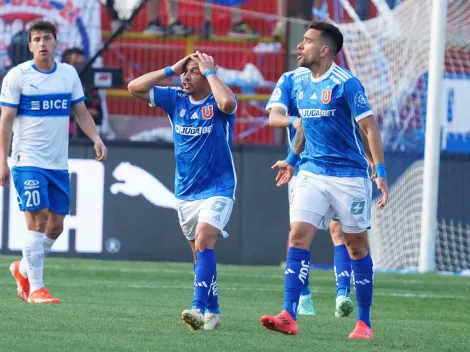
(202, 136)
(285, 97)
(330, 107)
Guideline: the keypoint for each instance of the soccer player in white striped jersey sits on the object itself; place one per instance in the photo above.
(36, 98)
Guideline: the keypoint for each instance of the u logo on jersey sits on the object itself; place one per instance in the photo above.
(208, 112)
(326, 96)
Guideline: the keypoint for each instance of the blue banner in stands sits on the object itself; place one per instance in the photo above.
(228, 2)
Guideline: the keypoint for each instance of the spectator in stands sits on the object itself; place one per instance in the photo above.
(238, 28)
(319, 13)
(76, 58)
(175, 27)
(17, 52)
(116, 22)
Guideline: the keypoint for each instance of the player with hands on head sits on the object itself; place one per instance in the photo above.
(202, 115)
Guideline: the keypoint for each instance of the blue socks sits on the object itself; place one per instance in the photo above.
(363, 284)
(342, 263)
(205, 271)
(296, 274)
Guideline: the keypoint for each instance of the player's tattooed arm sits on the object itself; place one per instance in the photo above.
(299, 140)
(141, 86)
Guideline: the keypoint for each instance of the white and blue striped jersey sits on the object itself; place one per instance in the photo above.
(285, 97)
(202, 135)
(43, 101)
(331, 106)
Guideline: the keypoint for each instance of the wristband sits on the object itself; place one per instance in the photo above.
(380, 169)
(291, 120)
(168, 71)
(292, 159)
(208, 73)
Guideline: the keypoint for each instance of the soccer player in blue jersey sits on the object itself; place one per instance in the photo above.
(37, 97)
(282, 107)
(333, 177)
(202, 115)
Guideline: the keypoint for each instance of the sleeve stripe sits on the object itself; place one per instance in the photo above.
(364, 115)
(76, 101)
(152, 97)
(272, 105)
(9, 104)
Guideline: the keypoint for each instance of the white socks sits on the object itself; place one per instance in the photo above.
(48, 242)
(38, 246)
(33, 254)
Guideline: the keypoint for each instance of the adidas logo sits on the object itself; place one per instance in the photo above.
(201, 284)
(363, 282)
(344, 273)
(194, 116)
(216, 218)
(289, 271)
(314, 96)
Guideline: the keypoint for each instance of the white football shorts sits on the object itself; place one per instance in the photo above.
(214, 211)
(316, 199)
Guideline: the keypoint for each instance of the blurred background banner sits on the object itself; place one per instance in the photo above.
(125, 209)
(78, 23)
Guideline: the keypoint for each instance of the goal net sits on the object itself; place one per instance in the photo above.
(390, 55)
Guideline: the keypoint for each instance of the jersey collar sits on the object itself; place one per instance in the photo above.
(45, 72)
(325, 75)
(199, 102)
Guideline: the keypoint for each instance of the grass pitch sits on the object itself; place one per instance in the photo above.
(129, 306)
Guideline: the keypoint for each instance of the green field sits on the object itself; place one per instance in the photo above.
(128, 306)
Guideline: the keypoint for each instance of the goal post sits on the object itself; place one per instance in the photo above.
(432, 146)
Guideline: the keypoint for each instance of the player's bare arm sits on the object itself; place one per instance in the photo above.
(6, 131)
(298, 145)
(278, 118)
(87, 124)
(223, 95)
(370, 129)
(370, 159)
(141, 86)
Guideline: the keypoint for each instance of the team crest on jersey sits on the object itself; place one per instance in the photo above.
(360, 99)
(276, 94)
(326, 96)
(208, 112)
(301, 95)
(182, 112)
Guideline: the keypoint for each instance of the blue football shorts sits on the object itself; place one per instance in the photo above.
(38, 188)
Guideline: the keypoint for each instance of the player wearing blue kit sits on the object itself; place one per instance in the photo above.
(282, 107)
(36, 100)
(333, 179)
(202, 115)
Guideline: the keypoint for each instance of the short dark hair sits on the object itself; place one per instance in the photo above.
(331, 34)
(42, 26)
(71, 51)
